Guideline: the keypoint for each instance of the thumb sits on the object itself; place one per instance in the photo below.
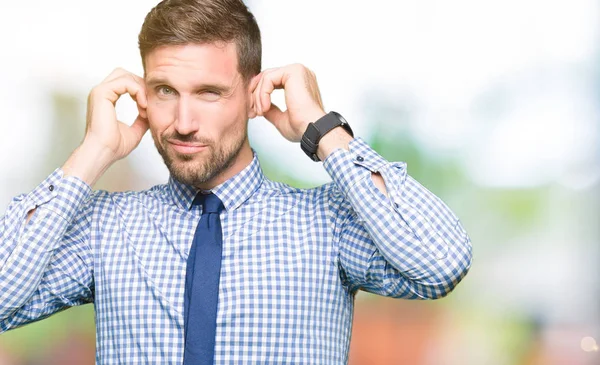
(137, 130)
(276, 116)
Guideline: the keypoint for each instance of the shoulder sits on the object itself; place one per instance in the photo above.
(157, 194)
(327, 195)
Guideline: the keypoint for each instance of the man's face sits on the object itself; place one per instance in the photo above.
(198, 109)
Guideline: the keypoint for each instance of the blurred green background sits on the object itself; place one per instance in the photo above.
(494, 105)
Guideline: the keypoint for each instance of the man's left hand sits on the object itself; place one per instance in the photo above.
(302, 98)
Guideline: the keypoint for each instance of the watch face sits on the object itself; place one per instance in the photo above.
(343, 123)
(342, 119)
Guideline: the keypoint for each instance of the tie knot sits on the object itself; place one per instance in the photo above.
(210, 203)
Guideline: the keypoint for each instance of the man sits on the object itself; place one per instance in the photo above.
(221, 265)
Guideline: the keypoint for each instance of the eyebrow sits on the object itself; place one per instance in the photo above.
(156, 81)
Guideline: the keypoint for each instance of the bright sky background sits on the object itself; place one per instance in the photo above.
(532, 61)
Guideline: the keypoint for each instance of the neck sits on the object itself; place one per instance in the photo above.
(240, 162)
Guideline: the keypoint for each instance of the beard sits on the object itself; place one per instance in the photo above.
(192, 169)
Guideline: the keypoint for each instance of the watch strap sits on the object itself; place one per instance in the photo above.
(316, 130)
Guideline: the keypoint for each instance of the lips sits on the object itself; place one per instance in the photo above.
(187, 148)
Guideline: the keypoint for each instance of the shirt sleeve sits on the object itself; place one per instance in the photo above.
(45, 263)
(406, 245)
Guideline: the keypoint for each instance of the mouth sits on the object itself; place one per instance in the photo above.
(187, 148)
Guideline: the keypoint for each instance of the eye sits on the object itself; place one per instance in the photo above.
(165, 91)
(210, 95)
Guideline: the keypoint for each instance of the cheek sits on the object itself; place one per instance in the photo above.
(219, 117)
(160, 115)
(234, 122)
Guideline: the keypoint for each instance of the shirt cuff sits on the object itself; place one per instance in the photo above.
(348, 168)
(59, 194)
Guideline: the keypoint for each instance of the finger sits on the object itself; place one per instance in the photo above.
(142, 98)
(258, 106)
(142, 111)
(254, 82)
(276, 116)
(271, 81)
(120, 73)
(125, 85)
(139, 127)
(117, 72)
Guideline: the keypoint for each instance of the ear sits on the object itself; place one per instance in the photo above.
(250, 105)
(251, 113)
(143, 113)
(250, 96)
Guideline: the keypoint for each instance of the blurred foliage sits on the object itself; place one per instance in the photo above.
(68, 125)
(44, 334)
(519, 208)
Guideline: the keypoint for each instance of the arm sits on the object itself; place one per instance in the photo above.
(45, 263)
(397, 238)
(45, 258)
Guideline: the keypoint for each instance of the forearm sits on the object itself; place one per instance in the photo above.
(26, 246)
(338, 138)
(418, 239)
(88, 162)
(49, 221)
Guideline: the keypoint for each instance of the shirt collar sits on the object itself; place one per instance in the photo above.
(232, 192)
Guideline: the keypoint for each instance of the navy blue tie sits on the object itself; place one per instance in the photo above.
(202, 284)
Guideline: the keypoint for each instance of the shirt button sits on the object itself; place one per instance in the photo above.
(51, 187)
(360, 158)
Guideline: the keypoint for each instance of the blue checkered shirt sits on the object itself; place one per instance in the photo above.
(293, 259)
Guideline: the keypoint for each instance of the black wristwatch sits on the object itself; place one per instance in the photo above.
(316, 130)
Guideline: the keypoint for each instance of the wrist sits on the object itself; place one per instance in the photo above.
(88, 162)
(338, 138)
(325, 135)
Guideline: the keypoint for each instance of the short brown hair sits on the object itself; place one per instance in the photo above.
(180, 22)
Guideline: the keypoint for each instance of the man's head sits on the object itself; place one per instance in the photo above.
(181, 22)
(199, 56)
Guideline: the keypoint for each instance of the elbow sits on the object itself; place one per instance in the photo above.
(455, 267)
(447, 279)
(448, 285)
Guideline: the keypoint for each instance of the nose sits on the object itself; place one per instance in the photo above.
(185, 122)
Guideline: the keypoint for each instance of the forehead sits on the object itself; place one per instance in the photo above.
(210, 61)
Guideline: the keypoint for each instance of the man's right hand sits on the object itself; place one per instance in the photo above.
(106, 138)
